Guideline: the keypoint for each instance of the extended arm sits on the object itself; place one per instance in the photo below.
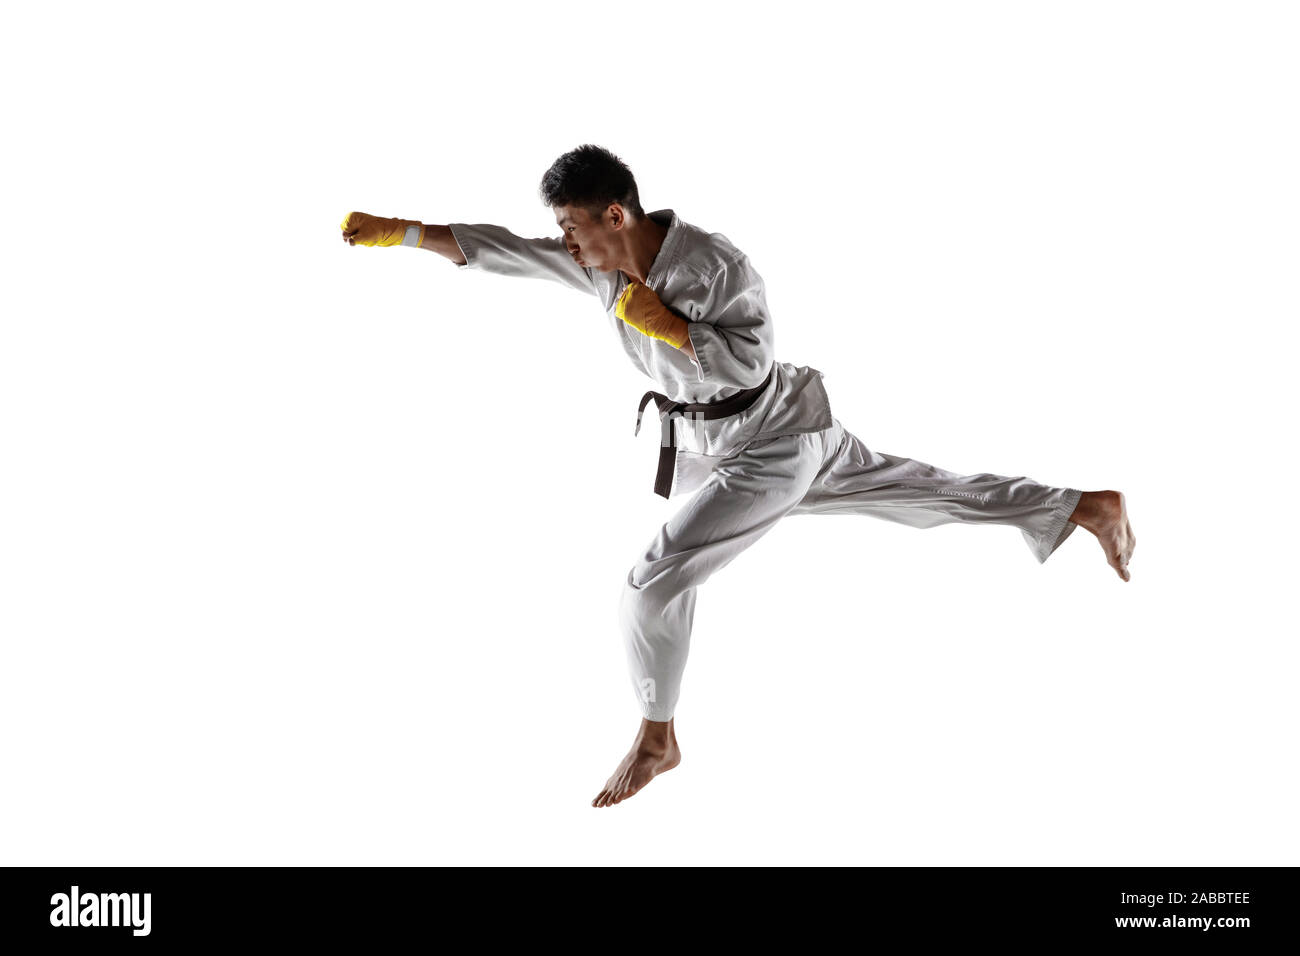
(497, 250)
(487, 247)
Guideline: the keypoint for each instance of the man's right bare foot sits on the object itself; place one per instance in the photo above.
(1105, 515)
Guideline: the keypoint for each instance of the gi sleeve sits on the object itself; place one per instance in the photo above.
(733, 337)
(498, 250)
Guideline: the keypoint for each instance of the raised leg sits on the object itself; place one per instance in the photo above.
(857, 480)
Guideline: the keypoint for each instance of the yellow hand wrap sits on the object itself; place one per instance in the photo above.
(640, 308)
(366, 230)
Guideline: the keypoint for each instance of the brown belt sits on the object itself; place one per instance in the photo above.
(707, 411)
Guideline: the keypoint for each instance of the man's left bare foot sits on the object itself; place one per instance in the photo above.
(654, 751)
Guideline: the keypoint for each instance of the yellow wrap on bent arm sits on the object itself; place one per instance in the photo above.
(640, 308)
(367, 230)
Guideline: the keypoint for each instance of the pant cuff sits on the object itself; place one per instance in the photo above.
(1061, 526)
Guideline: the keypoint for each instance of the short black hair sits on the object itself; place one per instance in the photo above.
(591, 177)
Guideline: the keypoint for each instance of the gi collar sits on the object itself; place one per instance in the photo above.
(668, 250)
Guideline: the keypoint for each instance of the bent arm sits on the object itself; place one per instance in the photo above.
(732, 343)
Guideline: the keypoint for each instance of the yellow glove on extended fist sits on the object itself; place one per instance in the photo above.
(362, 229)
(640, 308)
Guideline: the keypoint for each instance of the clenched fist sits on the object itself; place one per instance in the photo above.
(363, 229)
(640, 308)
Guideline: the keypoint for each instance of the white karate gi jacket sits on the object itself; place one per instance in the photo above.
(706, 280)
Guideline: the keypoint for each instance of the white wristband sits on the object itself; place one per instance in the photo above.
(412, 237)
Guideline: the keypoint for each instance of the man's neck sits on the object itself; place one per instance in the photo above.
(642, 244)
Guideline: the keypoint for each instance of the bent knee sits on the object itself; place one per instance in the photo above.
(648, 594)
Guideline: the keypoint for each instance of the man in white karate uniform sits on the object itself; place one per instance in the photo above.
(753, 439)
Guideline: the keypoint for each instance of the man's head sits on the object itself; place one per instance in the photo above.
(594, 196)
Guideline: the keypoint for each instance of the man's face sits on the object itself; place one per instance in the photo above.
(590, 241)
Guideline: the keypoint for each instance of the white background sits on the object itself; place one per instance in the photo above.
(311, 554)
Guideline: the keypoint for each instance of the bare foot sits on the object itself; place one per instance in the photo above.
(1105, 515)
(654, 751)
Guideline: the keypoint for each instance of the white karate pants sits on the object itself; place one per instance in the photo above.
(826, 472)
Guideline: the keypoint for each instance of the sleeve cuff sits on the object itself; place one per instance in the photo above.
(701, 366)
(466, 246)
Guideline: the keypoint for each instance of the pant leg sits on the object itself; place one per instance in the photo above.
(742, 499)
(858, 480)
